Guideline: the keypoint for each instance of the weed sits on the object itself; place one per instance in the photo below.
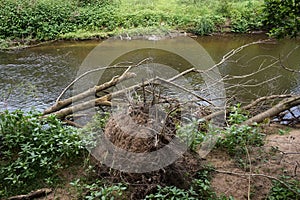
(191, 135)
(98, 190)
(278, 191)
(204, 26)
(34, 148)
(238, 137)
(200, 189)
(283, 132)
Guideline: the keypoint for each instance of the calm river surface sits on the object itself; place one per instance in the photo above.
(34, 77)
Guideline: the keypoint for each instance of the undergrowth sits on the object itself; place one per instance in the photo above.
(200, 189)
(33, 150)
(237, 138)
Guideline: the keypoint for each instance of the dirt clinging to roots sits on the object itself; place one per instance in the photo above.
(138, 132)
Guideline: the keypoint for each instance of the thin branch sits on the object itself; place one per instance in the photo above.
(184, 89)
(84, 74)
(250, 172)
(287, 68)
(224, 59)
(266, 98)
(33, 195)
(100, 69)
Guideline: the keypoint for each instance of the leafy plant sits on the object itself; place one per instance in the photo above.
(237, 115)
(191, 135)
(98, 190)
(282, 17)
(172, 192)
(204, 26)
(278, 191)
(34, 148)
(238, 137)
(199, 189)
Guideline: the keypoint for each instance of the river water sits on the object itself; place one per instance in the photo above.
(33, 78)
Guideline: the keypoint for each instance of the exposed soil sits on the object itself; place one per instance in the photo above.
(136, 131)
(279, 156)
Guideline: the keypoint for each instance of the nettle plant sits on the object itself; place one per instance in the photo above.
(199, 189)
(237, 137)
(33, 149)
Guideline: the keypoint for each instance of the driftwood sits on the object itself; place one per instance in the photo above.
(32, 195)
(272, 112)
(252, 105)
(62, 104)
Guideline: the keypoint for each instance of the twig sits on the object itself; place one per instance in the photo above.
(295, 169)
(32, 195)
(262, 175)
(73, 123)
(266, 98)
(224, 59)
(287, 68)
(184, 89)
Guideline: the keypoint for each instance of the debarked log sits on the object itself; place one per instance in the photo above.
(275, 110)
(92, 91)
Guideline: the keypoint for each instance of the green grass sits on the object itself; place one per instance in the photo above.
(48, 19)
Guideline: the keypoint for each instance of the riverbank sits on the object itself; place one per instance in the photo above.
(46, 20)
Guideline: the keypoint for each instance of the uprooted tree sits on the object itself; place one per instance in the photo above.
(144, 115)
(151, 92)
(146, 111)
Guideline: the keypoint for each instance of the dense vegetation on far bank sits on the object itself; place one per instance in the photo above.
(43, 20)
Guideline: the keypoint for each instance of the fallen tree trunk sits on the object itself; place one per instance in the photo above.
(102, 101)
(272, 112)
(92, 91)
(252, 105)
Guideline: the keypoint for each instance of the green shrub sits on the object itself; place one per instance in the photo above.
(204, 26)
(48, 19)
(33, 149)
(237, 137)
(246, 16)
(42, 20)
(282, 17)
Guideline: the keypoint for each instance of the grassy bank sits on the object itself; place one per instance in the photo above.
(44, 153)
(44, 20)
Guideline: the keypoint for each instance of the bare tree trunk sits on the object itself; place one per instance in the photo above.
(280, 107)
(62, 104)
